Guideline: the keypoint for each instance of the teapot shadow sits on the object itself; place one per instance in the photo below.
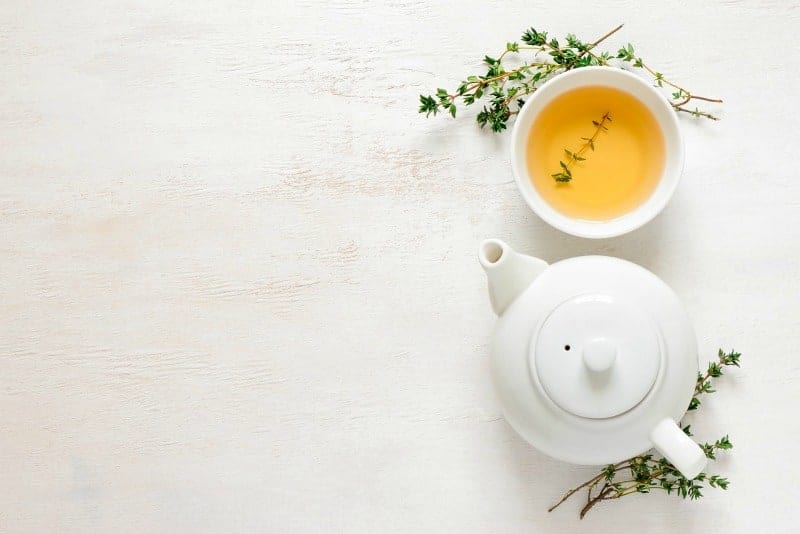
(531, 468)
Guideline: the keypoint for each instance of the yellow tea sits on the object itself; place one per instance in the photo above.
(595, 153)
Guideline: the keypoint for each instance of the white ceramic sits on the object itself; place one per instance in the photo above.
(593, 358)
(624, 81)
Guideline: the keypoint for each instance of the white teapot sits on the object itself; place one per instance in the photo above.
(593, 358)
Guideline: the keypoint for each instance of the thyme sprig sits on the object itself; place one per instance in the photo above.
(565, 174)
(714, 371)
(548, 57)
(648, 472)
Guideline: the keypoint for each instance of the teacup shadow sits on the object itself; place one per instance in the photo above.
(641, 246)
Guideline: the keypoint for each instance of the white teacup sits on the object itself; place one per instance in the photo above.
(644, 92)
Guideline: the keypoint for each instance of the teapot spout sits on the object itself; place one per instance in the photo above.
(508, 271)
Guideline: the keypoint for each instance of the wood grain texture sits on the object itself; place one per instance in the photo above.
(238, 285)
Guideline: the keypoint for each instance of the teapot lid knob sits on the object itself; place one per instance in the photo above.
(599, 355)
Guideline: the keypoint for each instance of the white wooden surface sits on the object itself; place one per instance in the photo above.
(238, 277)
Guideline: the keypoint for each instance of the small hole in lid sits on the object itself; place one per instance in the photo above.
(566, 347)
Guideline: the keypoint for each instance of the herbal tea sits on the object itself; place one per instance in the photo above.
(595, 153)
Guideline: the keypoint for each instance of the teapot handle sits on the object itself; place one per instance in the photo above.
(678, 448)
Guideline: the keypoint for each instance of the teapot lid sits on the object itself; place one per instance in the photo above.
(596, 355)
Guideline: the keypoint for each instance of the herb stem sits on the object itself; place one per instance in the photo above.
(591, 140)
(487, 81)
(659, 77)
(706, 99)
(565, 174)
(520, 47)
(697, 113)
(599, 497)
(576, 489)
(593, 481)
(606, 36)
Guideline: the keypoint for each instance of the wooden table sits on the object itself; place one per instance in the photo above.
(239, 289)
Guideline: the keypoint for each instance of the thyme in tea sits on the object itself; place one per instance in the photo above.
(565, 174)
(539, 58)
(647, 472)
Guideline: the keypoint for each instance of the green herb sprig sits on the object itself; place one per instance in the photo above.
(505, 88)
(648, 472)
(565, 174)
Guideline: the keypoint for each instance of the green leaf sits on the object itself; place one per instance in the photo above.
(626, 53)
(494, 70)
(731, 358)
(483, 117)
(428, 105)
(609, 472)
(534, 37)
(718, 482)
(572, 40)
(723, 443)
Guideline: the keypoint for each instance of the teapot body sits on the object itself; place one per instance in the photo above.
(594, 362)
